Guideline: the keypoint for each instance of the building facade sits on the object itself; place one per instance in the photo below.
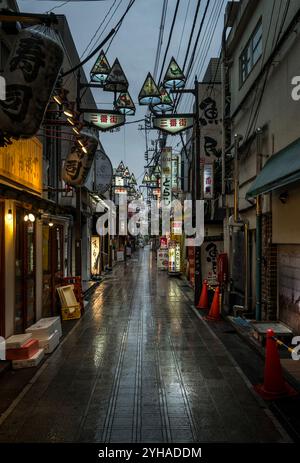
(262, 237)
(38, 213)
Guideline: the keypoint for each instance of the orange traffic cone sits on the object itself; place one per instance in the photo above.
(274, 385)
(214, 312)
(203, 301)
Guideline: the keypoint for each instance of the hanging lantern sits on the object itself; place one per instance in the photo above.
(125, 105)
(133, 180)
(100, 70)
(166, 102)
(126, 172)
(31, 72)
(149, 93)
(78, 163)
(146, 178)
(121, 168)
(174, 77)
(116, 80)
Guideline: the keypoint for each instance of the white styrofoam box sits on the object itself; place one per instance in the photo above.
(44, 328)
(31, 362)
(57, 324)
(18, 340)
(51, 343)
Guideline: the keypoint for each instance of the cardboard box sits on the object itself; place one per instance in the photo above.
(28, 363)
(25, 352)
(51, 343)
(43, 329)
(17, 341)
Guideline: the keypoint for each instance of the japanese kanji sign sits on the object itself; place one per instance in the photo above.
(104, 120)
(22, 163)
(173, 123)
(210, 121)
(166, 178)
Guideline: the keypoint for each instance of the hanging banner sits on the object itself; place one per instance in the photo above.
(103, 173)
(173, 123)
(210, 107)
(166, 176)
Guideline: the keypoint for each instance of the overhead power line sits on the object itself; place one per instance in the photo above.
(169, 40)
(113, 32)
(160, 37)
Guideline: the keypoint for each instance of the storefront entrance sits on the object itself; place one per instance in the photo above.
(53, 266)
(25, 301)
(2, 273)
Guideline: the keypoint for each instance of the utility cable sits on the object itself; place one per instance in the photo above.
(169, 40)
(93, 53)
(160, 37)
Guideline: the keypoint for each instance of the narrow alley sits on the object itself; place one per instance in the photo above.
(140, 366)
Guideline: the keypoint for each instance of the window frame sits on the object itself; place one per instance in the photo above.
(249, 49)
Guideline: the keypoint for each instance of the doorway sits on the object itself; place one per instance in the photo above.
(25, 299)
(53, 267)
(2, 272)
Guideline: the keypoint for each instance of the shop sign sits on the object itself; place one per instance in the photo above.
(208, 181)
(174, 257)
(210, 251)
(174, 123)
(162, 259)
(163, 242)
(120, 190)
(22, 164)
(166, 175)
(104, 120)
(103, 173)
(95, 255)
(191, 259)
(175, 172)
(177, 228)
(210, 107)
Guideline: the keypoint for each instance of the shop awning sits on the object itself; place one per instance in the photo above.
(281, 169)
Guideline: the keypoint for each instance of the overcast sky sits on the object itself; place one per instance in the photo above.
(135, 46)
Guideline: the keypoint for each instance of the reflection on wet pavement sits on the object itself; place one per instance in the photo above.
(140, 367)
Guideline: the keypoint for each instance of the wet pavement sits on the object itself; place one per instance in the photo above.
(140, 367)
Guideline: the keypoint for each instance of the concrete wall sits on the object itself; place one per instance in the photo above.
(286, 223)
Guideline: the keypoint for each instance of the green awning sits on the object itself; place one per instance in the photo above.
(281, 169)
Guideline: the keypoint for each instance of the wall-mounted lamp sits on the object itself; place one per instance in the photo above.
(283, 197)
(51, 223)
(9, 215)
(30, 217)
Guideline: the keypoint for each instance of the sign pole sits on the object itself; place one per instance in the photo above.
(78, 238)
(197, 193)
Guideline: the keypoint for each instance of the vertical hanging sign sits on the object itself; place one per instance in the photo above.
(210, 121)
(166, 176)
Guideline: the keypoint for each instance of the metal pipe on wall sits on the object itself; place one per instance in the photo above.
(258, 286)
